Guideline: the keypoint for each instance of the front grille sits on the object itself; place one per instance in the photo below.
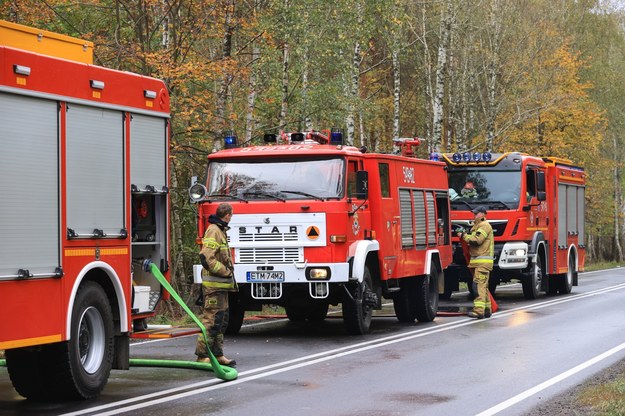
(272, 237)
(270, 255)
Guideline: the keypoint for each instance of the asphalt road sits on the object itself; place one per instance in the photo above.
(526, 355)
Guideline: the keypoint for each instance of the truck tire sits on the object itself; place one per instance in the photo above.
(357, 313)
(565, 282)
(80, 367)
(76, 369)
(532, 281)
(426, 305)
(24, 367)
(402, 301)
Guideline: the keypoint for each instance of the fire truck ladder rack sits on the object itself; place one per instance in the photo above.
(222, 372)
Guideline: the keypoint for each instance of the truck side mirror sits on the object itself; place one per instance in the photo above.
(362, 184)
(541, 195)
(540, 182)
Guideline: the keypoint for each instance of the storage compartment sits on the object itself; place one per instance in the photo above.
(142, 298)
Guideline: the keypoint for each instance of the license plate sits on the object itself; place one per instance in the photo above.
(265, 276)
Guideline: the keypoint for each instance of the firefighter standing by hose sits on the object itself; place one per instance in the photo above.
(217, 282)
(481, 248)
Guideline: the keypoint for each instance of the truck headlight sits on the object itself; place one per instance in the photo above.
(197, 192)
(318, 273)
(519, 252)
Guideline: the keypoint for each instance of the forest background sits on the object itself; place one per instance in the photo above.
(546, 77)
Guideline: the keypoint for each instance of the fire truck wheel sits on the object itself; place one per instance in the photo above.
(532, 281)
(427, 297)
(357, 312)
(24, 367)
(402, 301)
(565, 282)
(83, 364)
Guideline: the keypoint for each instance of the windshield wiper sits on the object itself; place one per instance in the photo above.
(497, 202)
(276, 197)
(304, 194)
(459, 201)
(226, 196)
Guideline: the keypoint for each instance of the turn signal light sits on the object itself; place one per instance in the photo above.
(338, 238)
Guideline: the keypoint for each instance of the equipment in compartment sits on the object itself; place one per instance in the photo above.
(143, 222)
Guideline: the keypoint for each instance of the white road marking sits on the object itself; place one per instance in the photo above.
(542, 386)
(262, 372)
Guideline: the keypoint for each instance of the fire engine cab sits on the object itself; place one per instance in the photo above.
(536, 209)
(318, 223)
(84, 167)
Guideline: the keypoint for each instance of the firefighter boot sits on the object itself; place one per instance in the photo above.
(487, 313)
(225, 361)
(221, 360)
(476, 315)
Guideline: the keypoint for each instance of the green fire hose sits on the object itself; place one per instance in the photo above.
(222, 372)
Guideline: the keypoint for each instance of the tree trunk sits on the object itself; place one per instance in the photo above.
(396, 94)
(222, 95)
(439, 88)
(285, 86)
(617, 203)
(251, 97)
(493, 65)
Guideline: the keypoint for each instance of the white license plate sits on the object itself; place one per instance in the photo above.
(265, 276)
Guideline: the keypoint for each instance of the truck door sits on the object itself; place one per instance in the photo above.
(390, 236)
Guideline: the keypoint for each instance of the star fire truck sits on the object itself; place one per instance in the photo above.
(84, 168)
(536, 208)
(318, 223)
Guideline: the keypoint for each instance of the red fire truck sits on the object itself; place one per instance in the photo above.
(536, 208)
(318, 223)
(84, 167)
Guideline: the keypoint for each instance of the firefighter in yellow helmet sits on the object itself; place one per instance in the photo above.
(481, 248)
(217, 281)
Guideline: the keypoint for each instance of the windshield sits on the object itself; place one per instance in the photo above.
(494, 189)
(278, 180)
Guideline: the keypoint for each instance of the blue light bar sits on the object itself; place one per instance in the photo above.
(230, 140)
(435, 156)
(486, 156)
(336, 137)
(477, 156)
(457, 157)
(466, 156)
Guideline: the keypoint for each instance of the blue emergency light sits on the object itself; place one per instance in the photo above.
(336, 137)
(230, 140)
(471, 157)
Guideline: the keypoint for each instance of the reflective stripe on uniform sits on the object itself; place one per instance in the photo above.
(218, 285)
(212, 243)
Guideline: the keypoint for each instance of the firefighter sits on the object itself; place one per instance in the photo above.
(481, 248)
(217, 282)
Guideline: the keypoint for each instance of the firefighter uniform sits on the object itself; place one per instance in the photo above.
(217, 282)
(481, 249)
